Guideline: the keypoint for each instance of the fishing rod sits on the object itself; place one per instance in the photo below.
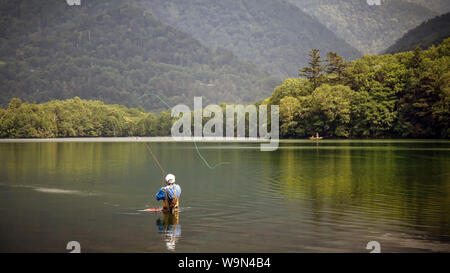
(156, 160)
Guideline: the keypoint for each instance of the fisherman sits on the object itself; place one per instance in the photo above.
(169, 194)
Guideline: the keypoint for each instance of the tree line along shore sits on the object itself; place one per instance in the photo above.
(406, 94)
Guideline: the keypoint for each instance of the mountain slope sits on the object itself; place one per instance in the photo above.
(431, 32)
(116, 52)
(370, 29)
(439, 6)
(273, 34)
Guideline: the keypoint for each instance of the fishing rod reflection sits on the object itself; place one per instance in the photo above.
(168, 226)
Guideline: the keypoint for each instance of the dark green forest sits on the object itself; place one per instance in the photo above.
(431, 32)
(116, 52)
(402, 95)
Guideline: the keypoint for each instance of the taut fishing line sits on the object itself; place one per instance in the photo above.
(195, 143)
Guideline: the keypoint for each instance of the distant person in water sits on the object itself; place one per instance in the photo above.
(169, 194)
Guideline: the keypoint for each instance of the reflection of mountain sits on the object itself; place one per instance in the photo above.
(170, 228)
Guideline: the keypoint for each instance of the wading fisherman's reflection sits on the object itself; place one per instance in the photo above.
(170, 228)
(169, 225)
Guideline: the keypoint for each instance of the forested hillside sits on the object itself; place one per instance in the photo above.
(273, 34)
(432, 32)
(116, 52)
(370, 29)
(401, 95)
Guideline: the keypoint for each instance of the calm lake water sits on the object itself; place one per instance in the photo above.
(330, 196)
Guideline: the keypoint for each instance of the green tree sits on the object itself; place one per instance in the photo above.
(14, 104)
(313, 72)
(289, 114)
(330, 111)
(335, 68)
(293, 87)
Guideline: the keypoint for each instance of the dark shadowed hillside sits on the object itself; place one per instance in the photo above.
(116, 52)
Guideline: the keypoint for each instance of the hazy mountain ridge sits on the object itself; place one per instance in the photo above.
(439, 6)
(431, 32)
(273, 34)
(370, 29)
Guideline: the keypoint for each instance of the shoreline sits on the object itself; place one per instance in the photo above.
(132, 139)
(205, 139)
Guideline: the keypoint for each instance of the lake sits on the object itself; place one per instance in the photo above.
(307, 196)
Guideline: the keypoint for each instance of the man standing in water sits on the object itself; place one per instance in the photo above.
(169, 194)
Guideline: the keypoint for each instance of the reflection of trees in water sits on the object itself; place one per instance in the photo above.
(376, 181)
(70, 161)
(170, 228)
